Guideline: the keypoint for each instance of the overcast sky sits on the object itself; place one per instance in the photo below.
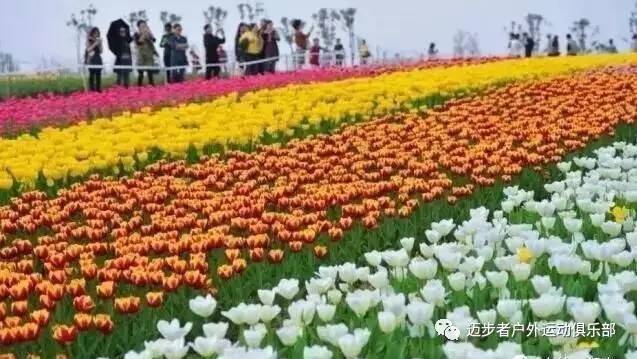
(31, 29)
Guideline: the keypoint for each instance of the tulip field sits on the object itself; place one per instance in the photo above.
(457, 209)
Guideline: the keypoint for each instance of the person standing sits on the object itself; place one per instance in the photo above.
(301, 40)
(211, 45)
(571, 46)
(315, 53)
(339, 53)
(555, 47)
(165, 44)
(178, 57)
(253, 44)
(270, 46)
(93, 57)
(432, 52)
(633, 43)
(529, 45)
(239, 48)
(611, 47)
(145, 42)
(363, 52)
(516, 46)
(123, 57)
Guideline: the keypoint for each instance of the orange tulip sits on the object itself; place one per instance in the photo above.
(127, 305)
(64, 334)
(155, 299)
(320, 251)
(105, 289)
(83, 321)
(41, 317)
(225, 271)
(103, 323)
(83, 303)
(275, 256)
(19, 308)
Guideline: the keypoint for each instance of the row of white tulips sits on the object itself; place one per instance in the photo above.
(521, 264)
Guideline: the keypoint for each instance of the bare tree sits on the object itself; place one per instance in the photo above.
(215, 16)
(326, 20)
(136, 16)
(287, 32)
(465, 44)
(8, 63)
(347, 21)
(82, 24)
(532, 25)
(251, 12)
(632, 20)
(169, 18)
(580, 30)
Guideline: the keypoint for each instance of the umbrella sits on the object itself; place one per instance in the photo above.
(113, 34)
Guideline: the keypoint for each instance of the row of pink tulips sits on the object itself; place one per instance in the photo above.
(18, 115)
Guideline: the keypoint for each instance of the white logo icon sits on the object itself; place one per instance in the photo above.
(445, 328)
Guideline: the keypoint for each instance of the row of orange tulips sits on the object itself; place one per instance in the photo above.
(160, 229)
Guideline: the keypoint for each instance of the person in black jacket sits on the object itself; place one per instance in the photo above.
(123, 57)
(165, 44)
(529, 45)
(270, 46)
(211, 44)
(93, 56)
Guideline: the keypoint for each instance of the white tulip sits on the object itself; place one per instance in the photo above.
(508, 307)
(457, 281)
(135, 355)
(172, 330)
(487, 316)
(597, 219)
(419, 313)
(268, 312)
(316, 352)
(331, 333)
(585, 312)
(254, 336)
(288, 335)
(547, 305)
(573, 225)
(302, 311)
(433, 236)
(497, 279)
(407, 243)
(423, 268)
(352, 344)
(434, 292)
(215, 330)
(347, 273)
(287, 288)
(426, 250)
(443, 227)
(328, 272)
(362, 274)
(399, 258)
(207, 346)
(334, 296)
(266, 296)
(203, 306)
(326, 312)
(613, 229)
(175, 349)
(521, 271)
(564, 166)
(373, 258)
(359, 301)
(387, 322)
(380, 279)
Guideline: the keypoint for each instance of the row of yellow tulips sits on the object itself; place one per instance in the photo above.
(103, 143)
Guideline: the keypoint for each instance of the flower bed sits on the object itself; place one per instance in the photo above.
(498, 285)
(128, 140)
(107, 248)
